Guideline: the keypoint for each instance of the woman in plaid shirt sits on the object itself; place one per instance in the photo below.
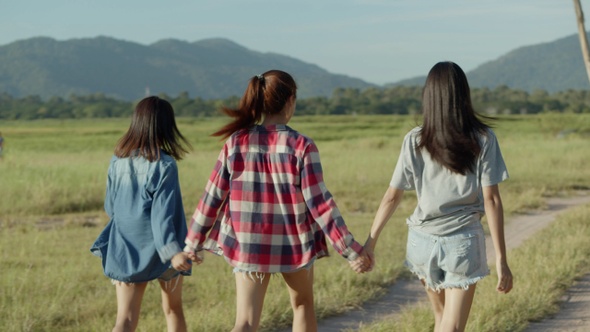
(266, 208)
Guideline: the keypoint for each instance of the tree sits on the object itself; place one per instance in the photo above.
(582, 34)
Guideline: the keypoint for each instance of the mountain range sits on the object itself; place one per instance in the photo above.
(211, 68)
(219, 68)
(553, 66)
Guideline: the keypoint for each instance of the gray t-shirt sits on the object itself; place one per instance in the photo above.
(447, 201)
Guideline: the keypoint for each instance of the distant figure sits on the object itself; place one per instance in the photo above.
(266, 207)
(1, 144)
(454, 163)
(144, 237)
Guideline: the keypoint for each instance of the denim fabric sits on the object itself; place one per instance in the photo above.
(304, 267)
(169, 274)
(147, 222)
(456, 260)
(255, 276)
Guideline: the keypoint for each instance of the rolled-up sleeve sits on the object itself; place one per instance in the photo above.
(322, 206)
(164, 213)
(209, 205)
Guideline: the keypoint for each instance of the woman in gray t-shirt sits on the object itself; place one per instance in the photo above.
(454, 163)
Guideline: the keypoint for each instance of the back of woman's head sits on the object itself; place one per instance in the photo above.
(266, 94)
(153, 128)
(451, 128)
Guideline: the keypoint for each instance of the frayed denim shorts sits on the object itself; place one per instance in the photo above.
(457, 260)
(260, 276)
(169, 274)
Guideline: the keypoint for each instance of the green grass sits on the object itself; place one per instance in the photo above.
(53, 177)
(544, 267)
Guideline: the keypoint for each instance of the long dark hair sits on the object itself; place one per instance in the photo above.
(153, 128)
(451, 128)
(266, 94)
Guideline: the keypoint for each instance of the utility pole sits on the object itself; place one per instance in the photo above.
(582, 35)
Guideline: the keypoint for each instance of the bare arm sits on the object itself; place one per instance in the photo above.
(495, 215)
(389, 203)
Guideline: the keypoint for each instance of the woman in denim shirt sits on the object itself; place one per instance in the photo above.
(142, 240)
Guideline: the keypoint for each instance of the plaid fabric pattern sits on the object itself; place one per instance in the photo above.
(266, 207)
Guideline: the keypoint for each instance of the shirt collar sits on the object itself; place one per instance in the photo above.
(275, 127)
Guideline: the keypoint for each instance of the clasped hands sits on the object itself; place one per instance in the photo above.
(182, 261)
(363, 263)
(366, 260)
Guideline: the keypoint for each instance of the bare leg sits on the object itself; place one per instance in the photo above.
(250, 294)
(129, 298)
(437, 300)
(457, 306)
(300, 285)
(172, 304)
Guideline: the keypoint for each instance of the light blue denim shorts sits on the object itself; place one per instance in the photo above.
(457, 260)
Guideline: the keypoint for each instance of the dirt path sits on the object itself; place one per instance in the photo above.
(574, 314)
(575, 311)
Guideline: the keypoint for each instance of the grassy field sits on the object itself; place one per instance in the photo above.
(544, 267)
(53, 176)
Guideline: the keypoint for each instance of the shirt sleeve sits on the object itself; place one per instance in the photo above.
(403, 175)
(492, 167)
(164, 214)
(216, 192)
(109, 201)
(323, 208)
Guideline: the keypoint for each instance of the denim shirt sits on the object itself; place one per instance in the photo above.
(147, 221)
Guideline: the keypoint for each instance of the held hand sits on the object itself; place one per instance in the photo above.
(371, 256)
(504, 278)
(362, 264)
(369, 248)
(181, 262)
(197, 258)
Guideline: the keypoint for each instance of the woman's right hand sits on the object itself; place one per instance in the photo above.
(181, 262)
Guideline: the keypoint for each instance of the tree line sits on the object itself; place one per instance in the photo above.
(389, 100)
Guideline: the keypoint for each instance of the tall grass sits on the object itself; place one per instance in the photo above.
(544, 267)
(53, 178)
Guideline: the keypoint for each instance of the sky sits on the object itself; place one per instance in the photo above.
(379, 41)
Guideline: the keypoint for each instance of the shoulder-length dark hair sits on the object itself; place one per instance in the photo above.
(153, 128)
(266, 94)
(451, 128)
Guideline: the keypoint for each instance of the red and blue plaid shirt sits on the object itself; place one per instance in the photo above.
(266, 207)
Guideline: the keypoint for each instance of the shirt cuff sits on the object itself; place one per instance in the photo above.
(168, 251)
(353, 251)
(189, 248)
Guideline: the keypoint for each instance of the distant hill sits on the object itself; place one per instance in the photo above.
(553, 66)
(220, 68)
(212, 68)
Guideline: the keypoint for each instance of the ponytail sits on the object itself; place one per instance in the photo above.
(266, 94)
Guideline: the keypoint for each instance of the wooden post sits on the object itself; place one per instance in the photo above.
(582, 35)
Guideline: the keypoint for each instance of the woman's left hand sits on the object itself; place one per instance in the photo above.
(362, 264)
